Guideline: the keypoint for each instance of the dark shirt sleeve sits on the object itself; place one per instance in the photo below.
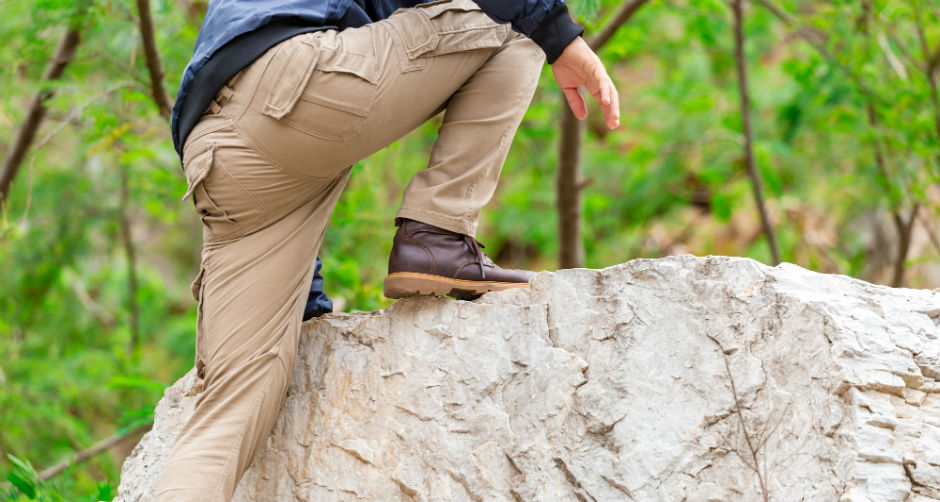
(546, 22)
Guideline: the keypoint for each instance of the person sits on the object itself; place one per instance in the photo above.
(280, 99)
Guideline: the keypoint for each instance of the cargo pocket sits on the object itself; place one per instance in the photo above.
(439, 28)
(321, 89)
(224, 206)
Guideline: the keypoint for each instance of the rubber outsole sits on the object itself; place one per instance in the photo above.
(404, 284)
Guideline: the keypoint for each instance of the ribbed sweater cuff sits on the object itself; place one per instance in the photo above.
(555, 32)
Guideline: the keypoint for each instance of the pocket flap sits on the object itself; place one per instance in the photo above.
(291, 79)
(197, 168)
(434, 9)
(420, 37)
(362, 67)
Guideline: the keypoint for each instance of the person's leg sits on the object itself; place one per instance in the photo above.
(477, 130)
(346, 95)
(260, 224)
(435, 251)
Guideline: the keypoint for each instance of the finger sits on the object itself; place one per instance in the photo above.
(602, 81)
(610, 110)
(614, 107)
(575, 102)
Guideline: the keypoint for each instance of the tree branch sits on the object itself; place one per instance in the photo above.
(892, 37)
(756, 181)
(893, 60)
(152, 56)
(610, 29)
(904, 232)
(36, 110)
(130, 255)
(813, 39)
(933, 64)
(35, 150)
(103, 445)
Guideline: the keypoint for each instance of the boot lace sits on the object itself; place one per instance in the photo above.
(477, 248)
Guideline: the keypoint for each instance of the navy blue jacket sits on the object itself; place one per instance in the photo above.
(236, 32)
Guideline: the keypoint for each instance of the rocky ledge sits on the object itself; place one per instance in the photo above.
(677, 379)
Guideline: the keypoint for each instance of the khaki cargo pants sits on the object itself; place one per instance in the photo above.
(265, 166)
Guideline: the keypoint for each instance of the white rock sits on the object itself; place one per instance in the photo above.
(602, 385)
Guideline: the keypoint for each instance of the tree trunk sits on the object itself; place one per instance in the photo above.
(756, 181)
(569, 184)
(904, 229)
(569, 190)
(931, 64)
(36, 111)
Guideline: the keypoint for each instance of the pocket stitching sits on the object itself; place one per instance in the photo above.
(361, 115)
(264, 210)
(199, 181)
(361, 111)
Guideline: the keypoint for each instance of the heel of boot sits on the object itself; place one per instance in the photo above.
(405, 284)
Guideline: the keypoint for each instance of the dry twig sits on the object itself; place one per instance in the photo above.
(103, 445)
(152, 56)
(36, 109)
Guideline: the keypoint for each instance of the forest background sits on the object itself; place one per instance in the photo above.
(828, 157)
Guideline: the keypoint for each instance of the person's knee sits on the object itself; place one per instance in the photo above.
(521, 61)
(250, 363)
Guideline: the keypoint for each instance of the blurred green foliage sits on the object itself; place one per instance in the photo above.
(670, 180)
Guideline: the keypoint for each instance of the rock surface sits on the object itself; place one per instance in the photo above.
(610, 384)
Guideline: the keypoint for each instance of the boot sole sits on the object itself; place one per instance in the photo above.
(404, 284)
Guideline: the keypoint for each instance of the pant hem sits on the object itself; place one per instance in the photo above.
(460, 225)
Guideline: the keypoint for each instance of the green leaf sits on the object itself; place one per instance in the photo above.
(23, 476)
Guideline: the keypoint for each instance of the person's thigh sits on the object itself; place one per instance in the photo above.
(338, 97)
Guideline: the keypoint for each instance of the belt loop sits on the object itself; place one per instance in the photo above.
(225, 94)
(231, 83)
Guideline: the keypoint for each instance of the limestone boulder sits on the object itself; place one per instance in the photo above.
(676, 379)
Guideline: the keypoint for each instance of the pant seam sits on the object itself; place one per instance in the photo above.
(232, 455)
(468, 196)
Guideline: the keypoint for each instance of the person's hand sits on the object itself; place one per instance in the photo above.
(578, 66)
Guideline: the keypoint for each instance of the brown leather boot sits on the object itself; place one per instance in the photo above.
(428, 260)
